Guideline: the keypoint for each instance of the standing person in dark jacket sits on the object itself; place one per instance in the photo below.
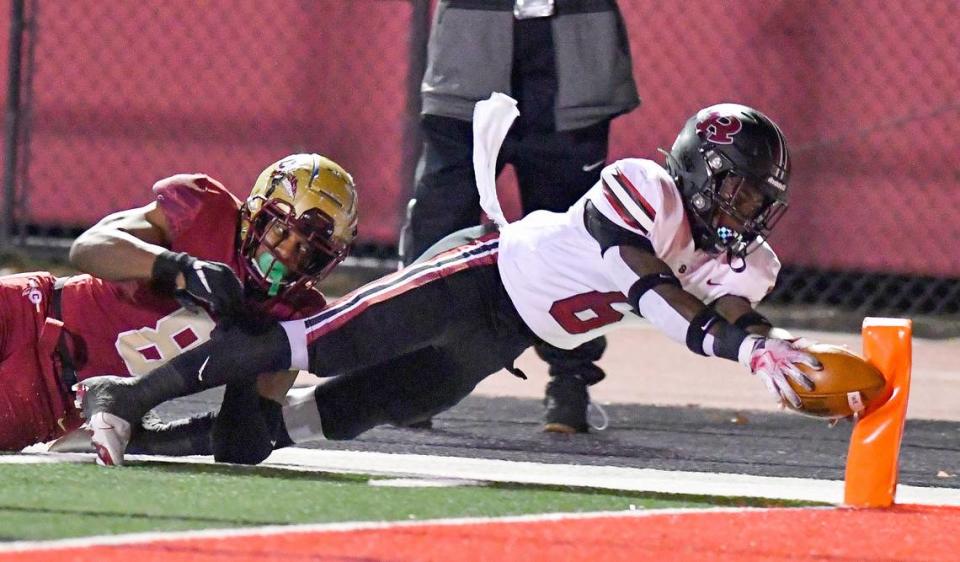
(568, 64)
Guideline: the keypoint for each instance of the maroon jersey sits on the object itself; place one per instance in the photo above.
(113, 328)
(124, 328)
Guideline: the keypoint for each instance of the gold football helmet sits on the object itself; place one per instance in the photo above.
(297, 224)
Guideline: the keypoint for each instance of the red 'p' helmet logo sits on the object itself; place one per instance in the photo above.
(719, 129)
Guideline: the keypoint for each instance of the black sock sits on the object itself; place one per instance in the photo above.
(280, 436)
(273, 415)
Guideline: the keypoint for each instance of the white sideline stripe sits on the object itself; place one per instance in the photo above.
(604, 477)
(105, 540)
(586, 476)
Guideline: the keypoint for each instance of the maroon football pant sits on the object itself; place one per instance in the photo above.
(33, 407)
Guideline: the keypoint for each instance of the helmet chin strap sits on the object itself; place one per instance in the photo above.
(275, 272)
(732, 241)
(733, 265)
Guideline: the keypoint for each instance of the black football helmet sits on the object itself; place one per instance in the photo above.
(732, 167)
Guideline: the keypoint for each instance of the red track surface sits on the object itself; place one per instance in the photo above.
(902, 533)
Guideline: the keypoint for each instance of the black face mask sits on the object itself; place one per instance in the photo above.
(743, 212)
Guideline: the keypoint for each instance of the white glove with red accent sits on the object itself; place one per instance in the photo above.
(773, 361)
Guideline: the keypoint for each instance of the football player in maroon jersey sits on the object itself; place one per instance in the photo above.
(157, 278)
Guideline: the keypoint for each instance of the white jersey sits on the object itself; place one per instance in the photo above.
(568, 293)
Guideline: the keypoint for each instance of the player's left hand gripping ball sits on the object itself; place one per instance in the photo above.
(846, 387)
(775, 362)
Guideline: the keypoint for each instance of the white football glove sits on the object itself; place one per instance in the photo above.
(773, 361)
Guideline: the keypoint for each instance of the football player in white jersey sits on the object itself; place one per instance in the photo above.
(681, 245)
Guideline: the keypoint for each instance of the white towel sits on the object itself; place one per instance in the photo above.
(492, 118)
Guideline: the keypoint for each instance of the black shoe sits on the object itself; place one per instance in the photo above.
(566, 403)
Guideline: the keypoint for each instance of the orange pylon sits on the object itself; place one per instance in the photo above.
(874, 453)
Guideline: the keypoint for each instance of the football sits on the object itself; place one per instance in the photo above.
(847, 385)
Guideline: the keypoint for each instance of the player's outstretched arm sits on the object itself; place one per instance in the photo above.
(132, 245)
(658, 296)
(124, 245)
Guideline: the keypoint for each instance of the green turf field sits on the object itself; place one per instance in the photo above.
(47, 501)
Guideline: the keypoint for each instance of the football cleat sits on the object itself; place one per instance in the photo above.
(111, 434)
(106, 394)
(104, 404)
(566, 401)
(568, 407)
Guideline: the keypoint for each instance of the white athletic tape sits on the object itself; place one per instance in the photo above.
(855, 400)
(492, 118)
(300, 415)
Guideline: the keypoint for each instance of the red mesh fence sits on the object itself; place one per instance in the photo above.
(868, 95)
(123, 93)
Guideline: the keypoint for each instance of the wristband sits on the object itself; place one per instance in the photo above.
(729, 340)
(697, 331)
(166, 267)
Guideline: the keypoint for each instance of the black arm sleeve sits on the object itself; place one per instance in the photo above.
(699, 326)
(727, 341)
(646, 283)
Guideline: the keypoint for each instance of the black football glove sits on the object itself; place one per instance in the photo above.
(209, 282)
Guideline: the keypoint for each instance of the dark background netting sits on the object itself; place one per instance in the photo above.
(115, 95)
